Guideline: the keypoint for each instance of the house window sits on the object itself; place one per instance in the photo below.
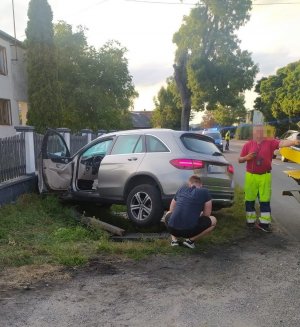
(3, 61)
(5, 112)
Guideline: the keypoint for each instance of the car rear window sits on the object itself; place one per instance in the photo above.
(196, 144)
(214, 135)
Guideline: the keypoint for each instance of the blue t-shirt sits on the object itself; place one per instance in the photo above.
(189, 205)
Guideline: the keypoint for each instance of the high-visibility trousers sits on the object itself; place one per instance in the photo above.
(258, 187)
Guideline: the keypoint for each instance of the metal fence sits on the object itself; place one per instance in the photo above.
(12, 157)
(13, 152)
(38, 139)
(77, 142)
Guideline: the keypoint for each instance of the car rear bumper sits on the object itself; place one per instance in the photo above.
(219, 200)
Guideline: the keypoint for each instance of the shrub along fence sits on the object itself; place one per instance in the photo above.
(19, 158)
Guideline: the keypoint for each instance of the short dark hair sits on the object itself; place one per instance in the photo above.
(195, 179)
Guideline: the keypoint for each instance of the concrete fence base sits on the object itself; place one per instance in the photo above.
(12, 189)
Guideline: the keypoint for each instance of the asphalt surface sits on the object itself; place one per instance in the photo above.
(285, 209)
(251, 282)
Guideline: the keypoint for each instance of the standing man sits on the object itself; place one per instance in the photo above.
(227, 139)
(258, 154)
(190, 213)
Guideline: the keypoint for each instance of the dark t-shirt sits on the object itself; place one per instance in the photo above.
(189, 205)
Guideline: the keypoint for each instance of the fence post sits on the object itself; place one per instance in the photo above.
(29, 147)
(65, 132)
(101, 132)
(87, 132)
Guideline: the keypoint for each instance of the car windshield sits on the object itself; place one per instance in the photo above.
(193, 143)
(214, 135)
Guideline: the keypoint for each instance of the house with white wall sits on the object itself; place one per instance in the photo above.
(13, 84)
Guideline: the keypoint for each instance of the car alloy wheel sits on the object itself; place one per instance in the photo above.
(144, 205)
(141, 206)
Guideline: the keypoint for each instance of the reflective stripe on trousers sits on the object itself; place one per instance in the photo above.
(258, 186)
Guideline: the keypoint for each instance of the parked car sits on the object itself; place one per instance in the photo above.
(140, 168)
(216, 135)
(289, 135)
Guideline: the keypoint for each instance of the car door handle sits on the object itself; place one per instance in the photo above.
(132, 159)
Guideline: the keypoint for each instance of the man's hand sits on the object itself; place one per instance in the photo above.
(297, 142)
(248, 157)
(287, 143)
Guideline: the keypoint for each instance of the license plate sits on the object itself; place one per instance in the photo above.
(216, 169)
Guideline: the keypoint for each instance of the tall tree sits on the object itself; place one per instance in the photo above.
(167, 112)
(95, 85)
(210, 67)
(228, 115)
(44, 105)
(208, 120)
(279, 97)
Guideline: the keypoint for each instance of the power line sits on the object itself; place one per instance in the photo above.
(197, 3)
(275, 3)
(164, 2)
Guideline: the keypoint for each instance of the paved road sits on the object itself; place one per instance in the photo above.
(285, 209)
(253, 282)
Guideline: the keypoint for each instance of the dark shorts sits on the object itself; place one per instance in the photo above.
(204, 222)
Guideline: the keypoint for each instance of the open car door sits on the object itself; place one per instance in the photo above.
(55, 166)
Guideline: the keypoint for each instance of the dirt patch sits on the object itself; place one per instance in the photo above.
(252, 282)
(31, 275)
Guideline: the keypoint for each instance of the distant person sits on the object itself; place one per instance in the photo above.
(189, 215)
(258, 154)
(227, 139)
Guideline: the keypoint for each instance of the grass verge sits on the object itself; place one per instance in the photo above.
(41, 231)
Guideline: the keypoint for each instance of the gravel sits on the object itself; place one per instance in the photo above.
(252, 282)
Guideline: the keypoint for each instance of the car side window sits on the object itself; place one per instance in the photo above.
(99, 149)
(126, 144)
(153, 144)
(56, 147)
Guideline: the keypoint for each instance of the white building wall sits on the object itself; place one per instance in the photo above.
(13, 86)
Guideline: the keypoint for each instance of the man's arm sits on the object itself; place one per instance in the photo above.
(287, 143)
(247, 157)
(207, 208)
(172, 205)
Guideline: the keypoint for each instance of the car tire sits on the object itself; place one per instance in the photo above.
(283, 159)
(144, 205)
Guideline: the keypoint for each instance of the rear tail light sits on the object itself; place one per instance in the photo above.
(230, 169)
(188, 164)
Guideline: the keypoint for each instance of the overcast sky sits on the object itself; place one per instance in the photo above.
(146, 28)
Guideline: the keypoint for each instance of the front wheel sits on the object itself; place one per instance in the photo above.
(144, 205)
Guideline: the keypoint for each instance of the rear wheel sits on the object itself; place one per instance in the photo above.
(144, 205)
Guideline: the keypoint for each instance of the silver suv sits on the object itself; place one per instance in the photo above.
(140, 168)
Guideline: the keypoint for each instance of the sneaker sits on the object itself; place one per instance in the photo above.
(188, 243)
(174, 243)
(250, 225)
(264, 227)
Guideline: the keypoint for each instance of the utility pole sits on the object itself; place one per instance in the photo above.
(13, 10)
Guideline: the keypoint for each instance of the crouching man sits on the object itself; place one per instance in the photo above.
(189, 215)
